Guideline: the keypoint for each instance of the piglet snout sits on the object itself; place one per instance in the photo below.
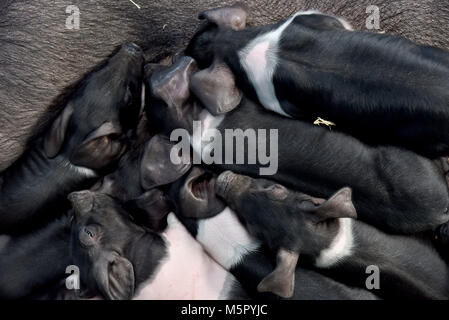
(223, 182)
(82, 201)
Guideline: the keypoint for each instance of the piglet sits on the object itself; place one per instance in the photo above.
(85, 139)
(219, 230)
(380, 88)
(326, 232)
(287, 231)
(34, 262)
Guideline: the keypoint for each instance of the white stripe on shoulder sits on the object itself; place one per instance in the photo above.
(259, 59)
(340, 248)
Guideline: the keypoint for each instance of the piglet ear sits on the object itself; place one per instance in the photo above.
(338, 206)
(233, 17)
(98, 149)
(157, 166)
(54, 138)
(216, 89)
(150, 209)
(282, 280)
(115, 277)
(171, 84)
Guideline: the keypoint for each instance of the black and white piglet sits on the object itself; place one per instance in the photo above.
(380, 88)
(88, 136)
(326, 233)
(221, 233)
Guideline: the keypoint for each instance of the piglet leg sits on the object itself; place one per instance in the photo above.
(282, 280)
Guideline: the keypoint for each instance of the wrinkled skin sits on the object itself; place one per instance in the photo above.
(40, 57)
(87, 138)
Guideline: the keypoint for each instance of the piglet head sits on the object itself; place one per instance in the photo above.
(102, 111)
(101, 236)
(305, 223)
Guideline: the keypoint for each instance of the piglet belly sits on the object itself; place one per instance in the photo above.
(187, 273)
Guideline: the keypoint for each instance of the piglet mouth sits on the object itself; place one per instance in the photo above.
(223, 183)
(203, 186)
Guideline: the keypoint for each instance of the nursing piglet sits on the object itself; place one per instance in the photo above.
(122, 260)
(326, 232)
(219, 230)
(86, 139)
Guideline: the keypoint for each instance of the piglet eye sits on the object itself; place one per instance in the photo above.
(89, 235)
